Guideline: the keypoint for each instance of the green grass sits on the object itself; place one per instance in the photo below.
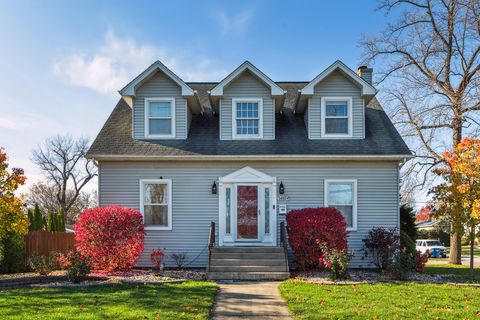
(190, 300)
(381, 301)
(466, 251)
(459, 270)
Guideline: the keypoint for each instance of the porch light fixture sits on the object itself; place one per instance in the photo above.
(214, 187)
(281, 188)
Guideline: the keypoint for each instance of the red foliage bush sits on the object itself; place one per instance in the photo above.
(111, 237)
(422, 259)
(310, 226)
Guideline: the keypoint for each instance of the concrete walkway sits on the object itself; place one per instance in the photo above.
(243, 300)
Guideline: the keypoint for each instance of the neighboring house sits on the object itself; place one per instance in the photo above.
(188, 154)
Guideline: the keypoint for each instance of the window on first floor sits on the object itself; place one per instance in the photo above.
(156, 203)
(342, 194)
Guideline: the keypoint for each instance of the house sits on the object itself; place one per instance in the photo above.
(243, 152)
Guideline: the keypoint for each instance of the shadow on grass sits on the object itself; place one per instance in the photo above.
(191, 300)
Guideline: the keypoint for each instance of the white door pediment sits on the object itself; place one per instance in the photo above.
(247, 174)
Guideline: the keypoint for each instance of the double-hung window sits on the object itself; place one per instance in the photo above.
(336, 116)
(159, 117)
(247, 118)
(342, 194)
(156, 203)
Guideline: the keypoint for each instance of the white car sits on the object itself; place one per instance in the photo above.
(434, 247)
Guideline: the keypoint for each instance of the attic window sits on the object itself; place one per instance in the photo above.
(336, 116)
(247, 118)
(159, 118)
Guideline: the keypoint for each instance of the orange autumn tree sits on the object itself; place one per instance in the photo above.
(12, 217)
(459, 196)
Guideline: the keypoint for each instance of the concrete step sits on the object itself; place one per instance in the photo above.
(248, 262)
(253, 268)
(250, 255)
(248, 275)
(247, 249)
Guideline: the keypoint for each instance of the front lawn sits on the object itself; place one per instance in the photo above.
(381, 301)
(189, 300)
(462, 271)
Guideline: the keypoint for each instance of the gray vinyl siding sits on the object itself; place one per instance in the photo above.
(159, 86)
(336, 85)
(247, 86)
(194, 206)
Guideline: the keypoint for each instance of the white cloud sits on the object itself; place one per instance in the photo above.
(119, 60)
(235, 24)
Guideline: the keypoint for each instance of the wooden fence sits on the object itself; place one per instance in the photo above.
(44, 242)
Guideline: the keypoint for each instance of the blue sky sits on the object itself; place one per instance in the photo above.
(62, 62)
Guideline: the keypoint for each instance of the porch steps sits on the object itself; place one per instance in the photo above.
(248, 263)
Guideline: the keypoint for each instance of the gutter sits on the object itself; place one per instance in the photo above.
(106, 157)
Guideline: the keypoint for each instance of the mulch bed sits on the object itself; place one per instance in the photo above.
(58, 278)
(363, 276)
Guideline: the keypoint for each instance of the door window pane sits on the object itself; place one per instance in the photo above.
(228, 210)
(247, 212)
(267, 210)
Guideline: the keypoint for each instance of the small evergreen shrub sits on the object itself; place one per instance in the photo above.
(43, 265)
(312, 230)
(110, 237)
(12, 255)
(77, 266)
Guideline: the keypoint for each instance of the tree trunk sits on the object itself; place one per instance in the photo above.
(455, 235)
(455, 248)
(472, 244)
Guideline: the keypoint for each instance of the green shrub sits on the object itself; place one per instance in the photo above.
(12, 255)
(77, 266)
(43, 265)
(407, 221)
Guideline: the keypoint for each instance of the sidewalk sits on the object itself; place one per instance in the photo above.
(243, 300)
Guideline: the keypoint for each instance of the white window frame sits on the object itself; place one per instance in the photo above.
(234, 118)
(167, 182)
(324, 101)
(354, 199)
(147, 118)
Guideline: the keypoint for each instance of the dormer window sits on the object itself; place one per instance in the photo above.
(336, 117)
(247, 118)
(159, 118)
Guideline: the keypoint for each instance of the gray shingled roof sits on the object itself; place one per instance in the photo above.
(381, 138)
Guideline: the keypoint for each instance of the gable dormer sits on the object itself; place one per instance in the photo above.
(161, 102)
(334, 103)
(247, 101)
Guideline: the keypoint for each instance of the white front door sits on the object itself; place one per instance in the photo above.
(247, 203)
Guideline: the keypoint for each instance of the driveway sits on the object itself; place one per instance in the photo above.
(256, 300)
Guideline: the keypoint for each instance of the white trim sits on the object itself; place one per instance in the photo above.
(247, 65)
(247, 176)
(168, 182)
(354, 198)
(367, 88)
(236, 136)
(324, 101)
(130, 88)
(172, 116)
(279, 157)
(309, 119)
